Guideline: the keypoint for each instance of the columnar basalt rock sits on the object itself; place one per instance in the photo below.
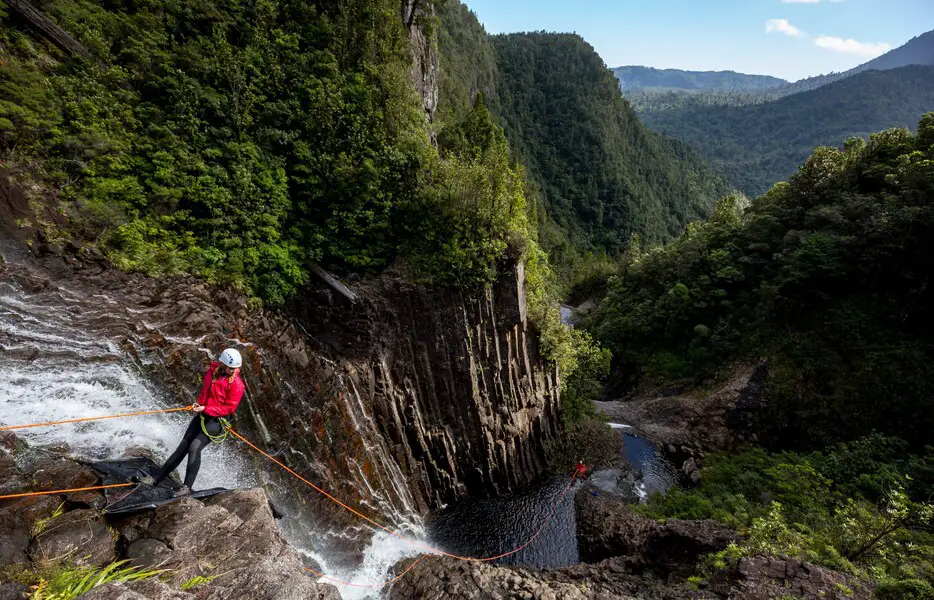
(400, 402)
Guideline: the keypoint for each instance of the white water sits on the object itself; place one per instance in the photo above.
(58, 361)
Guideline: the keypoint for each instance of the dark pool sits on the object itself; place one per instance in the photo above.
(489, 527)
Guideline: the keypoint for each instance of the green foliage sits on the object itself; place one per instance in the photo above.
(825, 275)
(759, 138)
(239, 141)
(585, 382)
(904, 589)
(602, 175)
(474, 208)
(787, 504)
(42, 523)
(67, 583)
(196, 581)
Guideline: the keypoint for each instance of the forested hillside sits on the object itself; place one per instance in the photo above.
(603, 175)
(918, 50)
(240, 141)
(637, 78)
(758, 144)
(825, 279)
(826, 275)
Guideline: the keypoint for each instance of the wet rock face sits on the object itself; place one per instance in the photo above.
(455, 386)
(231, 538)
(425, 68)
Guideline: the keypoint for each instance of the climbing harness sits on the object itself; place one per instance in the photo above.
(579, 471)
(219, 438)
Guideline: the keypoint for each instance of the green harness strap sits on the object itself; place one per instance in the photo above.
(216, 439)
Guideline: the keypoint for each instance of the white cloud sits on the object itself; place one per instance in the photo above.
(850, 46)
(783, 26)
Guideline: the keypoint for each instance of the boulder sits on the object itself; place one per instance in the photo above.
(608, 527)
(147, 589)
(13, 591)
(78, 537)
(231, 537)
(767, 577)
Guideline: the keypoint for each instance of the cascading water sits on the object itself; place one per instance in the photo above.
(65, 355)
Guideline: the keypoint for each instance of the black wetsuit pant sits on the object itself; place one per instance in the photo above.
(192, 444)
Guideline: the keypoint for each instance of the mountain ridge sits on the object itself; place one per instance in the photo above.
(635, 77)
(760, 144)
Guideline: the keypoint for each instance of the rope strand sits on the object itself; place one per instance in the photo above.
(330, 497)
(133, 414)
(399, 535)
(84, 489)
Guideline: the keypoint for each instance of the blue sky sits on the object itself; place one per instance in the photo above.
(791, 39)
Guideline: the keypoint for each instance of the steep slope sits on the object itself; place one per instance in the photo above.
(638, 77)
(603, 175)
(759, 144)
(825, 275)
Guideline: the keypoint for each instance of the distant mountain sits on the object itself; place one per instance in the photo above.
(758, 145)
(638, 78)
(916, 51)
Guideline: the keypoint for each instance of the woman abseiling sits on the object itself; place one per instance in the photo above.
(220, 395)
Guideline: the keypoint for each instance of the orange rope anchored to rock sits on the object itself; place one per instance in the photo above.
(330, 497)
(84, 489)
(133, 414)
(396, 533)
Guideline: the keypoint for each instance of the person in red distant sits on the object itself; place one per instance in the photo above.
(220, 395)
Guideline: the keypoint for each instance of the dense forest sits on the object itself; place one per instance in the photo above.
(638, 78)
(598, 175)
(756, 144)
(604, 176)
(239, 141)
(827, 277)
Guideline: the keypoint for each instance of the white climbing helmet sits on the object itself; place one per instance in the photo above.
(231, 358)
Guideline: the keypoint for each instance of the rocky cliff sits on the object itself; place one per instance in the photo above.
(401, 400)
(426, 71)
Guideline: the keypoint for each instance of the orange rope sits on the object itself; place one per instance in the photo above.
(84, 489)
(399, 535)
(313, 486)
(368, 585)
(133, 414)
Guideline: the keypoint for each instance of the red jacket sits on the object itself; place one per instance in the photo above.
(220, 396)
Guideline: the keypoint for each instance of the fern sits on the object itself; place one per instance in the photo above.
(69, 583)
